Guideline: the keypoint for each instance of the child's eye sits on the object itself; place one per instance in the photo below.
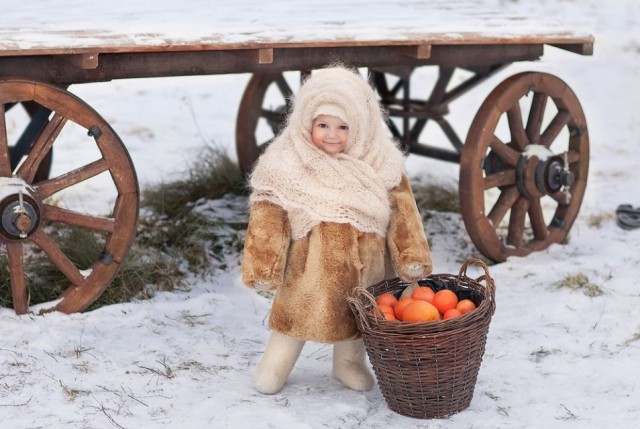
(321, 125)
(344, 128)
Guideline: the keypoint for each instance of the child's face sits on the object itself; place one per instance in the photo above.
(330, 134)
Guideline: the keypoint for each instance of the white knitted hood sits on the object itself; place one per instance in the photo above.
(313, 186)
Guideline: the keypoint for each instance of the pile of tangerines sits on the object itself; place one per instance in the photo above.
(424, 305)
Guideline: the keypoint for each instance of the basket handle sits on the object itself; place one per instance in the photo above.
(356, 304)
(489, 283)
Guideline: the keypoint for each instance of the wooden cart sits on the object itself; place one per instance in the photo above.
(507, 181)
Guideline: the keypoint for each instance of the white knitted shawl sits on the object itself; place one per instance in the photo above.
(313, 186)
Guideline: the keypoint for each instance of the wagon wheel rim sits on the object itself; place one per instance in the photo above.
(513, 190)
(21, 188)
(255, 108)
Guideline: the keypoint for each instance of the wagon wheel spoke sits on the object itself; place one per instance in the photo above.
(397, 88)
(561, 119)
(57, 256)
(522, 177)
(504, 203)
(500, 165)
(515, 234)
(5, 164)
(41, 148)
(287, 94)
(534, 122)
(536, 217)
(502, 178)
(573, 157)
(272, 115)
(275, 119)
(73, 218)
(395, 132)
(417, 128)
(518, 134)
(19, 293)
(284, 87)
(51, 186)
(39, 119)
(388, 95)
(506, 153)
(560, 197)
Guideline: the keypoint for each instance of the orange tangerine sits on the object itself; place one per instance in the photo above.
(386, 310)
(387, 299)
(389, 315)
(450, 314)
(445, 300)
(465, 306)
(420, 311)
(401, 305)
(423, 293)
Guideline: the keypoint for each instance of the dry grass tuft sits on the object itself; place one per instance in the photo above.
(436, 197)
(596, 220)
(211, 176)
(580, 282)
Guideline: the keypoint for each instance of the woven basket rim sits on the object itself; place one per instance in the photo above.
(363, 301)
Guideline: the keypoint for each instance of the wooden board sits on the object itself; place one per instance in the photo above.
(64, 27)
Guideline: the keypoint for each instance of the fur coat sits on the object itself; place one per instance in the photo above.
(322, 224)
(314, 275)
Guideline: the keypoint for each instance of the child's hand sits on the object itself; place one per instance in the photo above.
(412, 272)
(263, 286)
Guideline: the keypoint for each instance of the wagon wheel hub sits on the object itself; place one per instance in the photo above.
(542, 174)
(557, 175)
(19, 210)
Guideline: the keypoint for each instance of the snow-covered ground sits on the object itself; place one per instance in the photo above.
(555, 357)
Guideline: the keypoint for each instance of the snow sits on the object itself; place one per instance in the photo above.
(537, 150)
(555, 357)
(145, 24)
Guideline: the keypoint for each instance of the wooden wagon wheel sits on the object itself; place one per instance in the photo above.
(265, 103)
(526, 156)
(27, 206)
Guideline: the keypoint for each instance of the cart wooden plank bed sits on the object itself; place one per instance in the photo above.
(507, 182)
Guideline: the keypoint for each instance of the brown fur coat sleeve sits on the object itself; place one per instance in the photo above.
(408, 246)
(266, 245)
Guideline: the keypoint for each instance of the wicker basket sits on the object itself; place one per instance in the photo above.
(428, 370)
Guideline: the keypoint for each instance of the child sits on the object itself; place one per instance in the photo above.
(331, 210)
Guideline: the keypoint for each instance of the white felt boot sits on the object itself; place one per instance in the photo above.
(280, 356)
(349, 365)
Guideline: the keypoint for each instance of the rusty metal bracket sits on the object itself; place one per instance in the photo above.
(94, 132)
(105, 257)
